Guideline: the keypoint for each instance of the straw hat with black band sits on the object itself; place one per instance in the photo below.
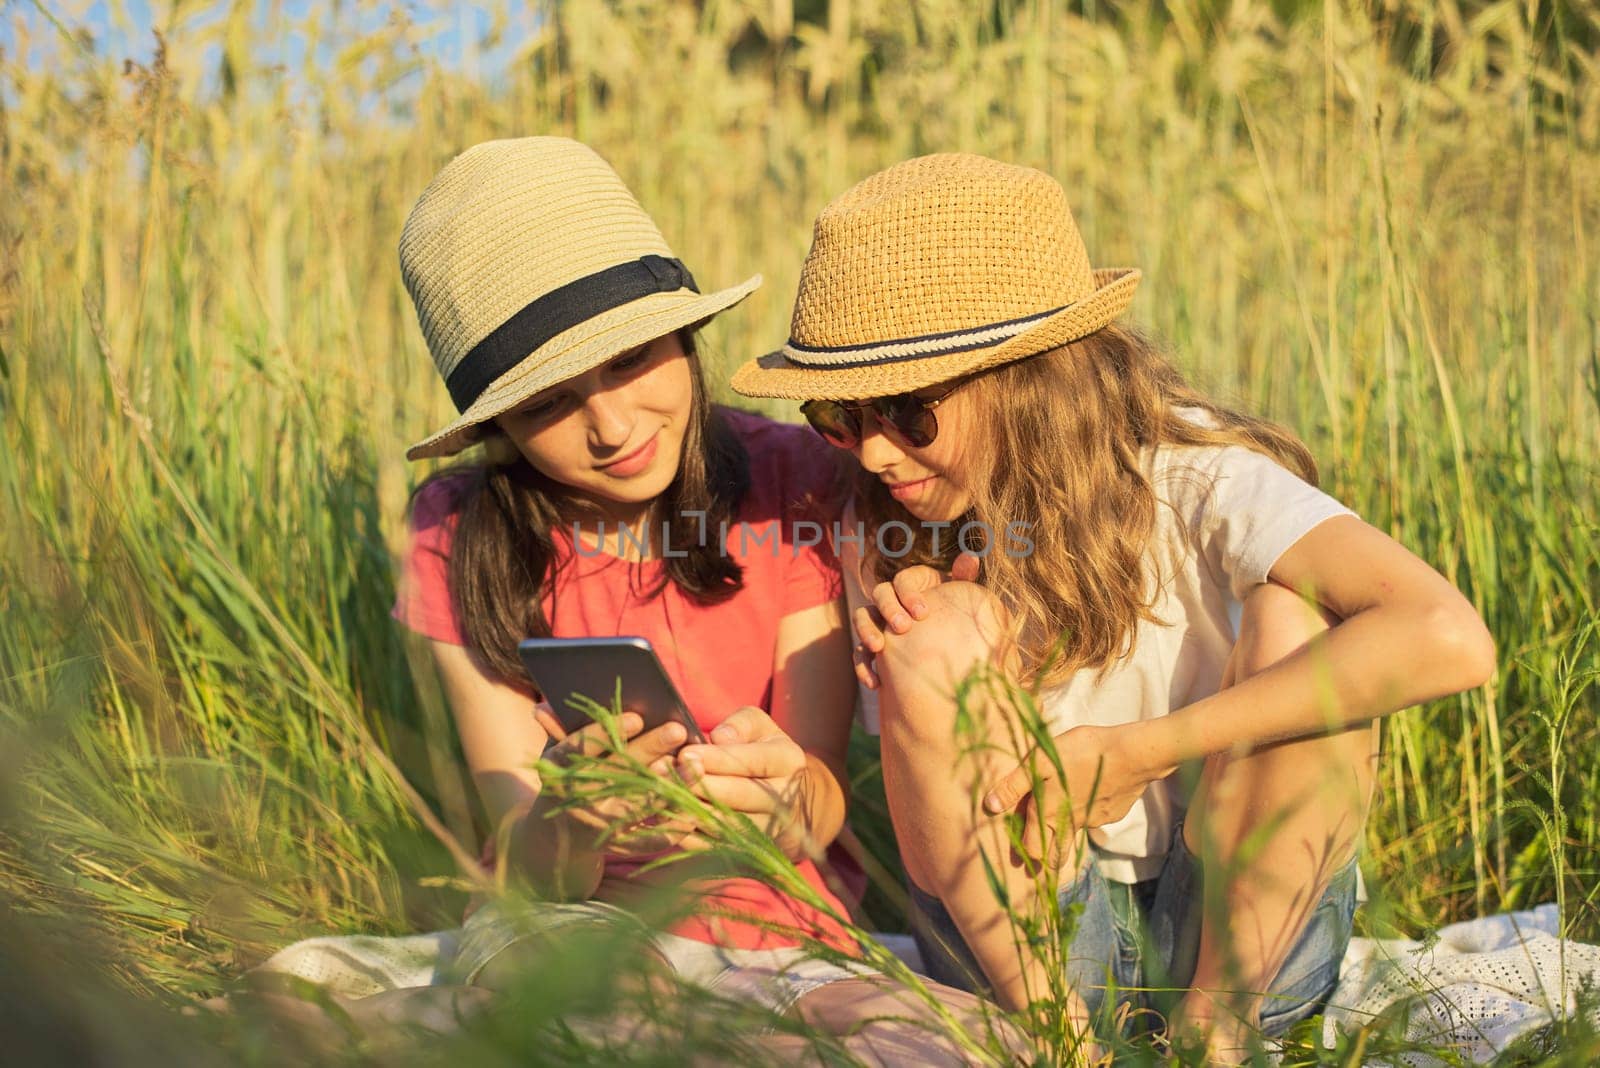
(530, 262)
(933, 269)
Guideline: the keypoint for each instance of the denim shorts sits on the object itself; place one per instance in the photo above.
(773, 979)
(1139, 941)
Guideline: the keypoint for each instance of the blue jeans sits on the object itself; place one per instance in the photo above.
(1139, 942)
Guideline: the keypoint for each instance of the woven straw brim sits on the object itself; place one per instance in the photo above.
(776, 375)
(585, 346)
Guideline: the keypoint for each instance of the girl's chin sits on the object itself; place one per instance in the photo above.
(940, 506)
(617, 496)
(639, 495)
(930, 514)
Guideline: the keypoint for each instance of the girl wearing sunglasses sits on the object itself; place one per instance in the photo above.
(1207, 635)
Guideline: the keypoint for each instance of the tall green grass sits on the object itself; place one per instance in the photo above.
(1376, 224)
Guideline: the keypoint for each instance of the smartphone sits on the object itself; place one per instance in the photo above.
(563, 668)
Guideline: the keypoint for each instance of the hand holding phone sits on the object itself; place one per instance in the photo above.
(655, 724)
(629, 825)
(752, 765)
(565, 669)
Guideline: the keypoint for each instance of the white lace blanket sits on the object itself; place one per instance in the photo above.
(1475, 988)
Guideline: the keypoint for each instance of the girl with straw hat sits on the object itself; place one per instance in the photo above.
(1042, 500)
(563, 327)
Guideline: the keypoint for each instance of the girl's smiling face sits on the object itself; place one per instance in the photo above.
(614, 434)
(929, 482)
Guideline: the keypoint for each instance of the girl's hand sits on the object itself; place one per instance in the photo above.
(634, 824)
(1105, 771)
(896, 605)
(753, 767)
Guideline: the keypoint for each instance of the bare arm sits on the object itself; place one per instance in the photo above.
(813, 700)
(502, 739)
(1406, 636)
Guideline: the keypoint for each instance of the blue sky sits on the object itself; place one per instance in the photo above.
(122, 29)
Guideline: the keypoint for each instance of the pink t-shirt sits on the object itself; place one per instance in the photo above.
(720, 656)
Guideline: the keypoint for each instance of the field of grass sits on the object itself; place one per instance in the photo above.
(1377, 223)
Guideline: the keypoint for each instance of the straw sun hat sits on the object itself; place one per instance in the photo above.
(935, 268)
(529, 262)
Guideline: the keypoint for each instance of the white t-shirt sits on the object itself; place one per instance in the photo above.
(1223, 517)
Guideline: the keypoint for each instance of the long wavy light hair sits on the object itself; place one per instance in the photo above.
(1061, 435)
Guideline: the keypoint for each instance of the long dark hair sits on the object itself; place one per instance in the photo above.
(503, 550)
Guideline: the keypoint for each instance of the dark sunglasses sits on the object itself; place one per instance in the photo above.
(909, 415)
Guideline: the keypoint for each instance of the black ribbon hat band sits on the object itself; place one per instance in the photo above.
(557, 311)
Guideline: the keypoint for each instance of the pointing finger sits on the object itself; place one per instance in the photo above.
(1009, 791)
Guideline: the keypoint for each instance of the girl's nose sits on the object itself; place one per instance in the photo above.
(610, 419)
(877, 450)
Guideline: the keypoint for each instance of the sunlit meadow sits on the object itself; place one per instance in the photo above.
(1377, 223)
